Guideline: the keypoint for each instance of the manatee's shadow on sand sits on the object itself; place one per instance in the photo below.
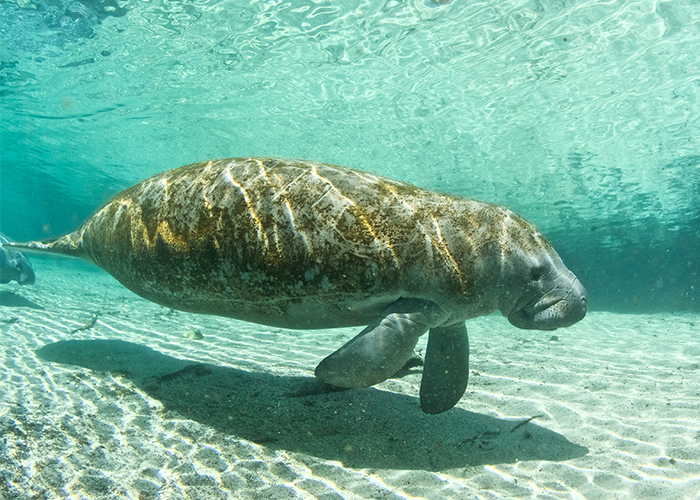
(366, 428)
(11, 299)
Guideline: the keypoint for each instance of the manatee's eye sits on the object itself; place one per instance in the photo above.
(537, 273)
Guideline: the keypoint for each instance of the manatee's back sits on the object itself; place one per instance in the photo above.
(266, 240)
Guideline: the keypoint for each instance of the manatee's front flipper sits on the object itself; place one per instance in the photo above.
(381, 349)
(445, 369)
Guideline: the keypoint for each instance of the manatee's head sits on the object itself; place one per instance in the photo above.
(15, 266)
(537, 289)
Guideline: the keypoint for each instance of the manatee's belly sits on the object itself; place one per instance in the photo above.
(292, 244)
(290, 297)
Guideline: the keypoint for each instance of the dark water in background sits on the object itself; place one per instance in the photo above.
(583, 116)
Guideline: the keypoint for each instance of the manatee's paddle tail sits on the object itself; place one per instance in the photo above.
(445, 369)
(70, 244)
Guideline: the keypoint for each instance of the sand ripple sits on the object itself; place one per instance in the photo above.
(127, 407)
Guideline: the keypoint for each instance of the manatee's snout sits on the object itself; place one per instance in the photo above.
(558, 303)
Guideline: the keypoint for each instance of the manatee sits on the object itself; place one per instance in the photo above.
(306, 245)
(15, 266)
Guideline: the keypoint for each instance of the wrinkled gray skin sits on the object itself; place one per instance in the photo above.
(552, 298)
(299, 244)
(14, 266)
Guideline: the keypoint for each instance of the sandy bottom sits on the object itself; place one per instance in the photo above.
(104, 395)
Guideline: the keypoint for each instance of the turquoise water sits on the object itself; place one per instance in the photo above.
(582, 116)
